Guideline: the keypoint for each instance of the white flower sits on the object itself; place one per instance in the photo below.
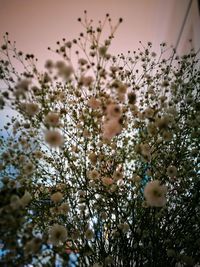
(57, 234)
(155, 194)
(54, 138)
(52, 119)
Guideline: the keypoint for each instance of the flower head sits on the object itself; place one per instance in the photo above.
(31, 109)
(57, 234)
(52, 119)
(54, 138)
(155, 194)
(94, 103)
(57, 197)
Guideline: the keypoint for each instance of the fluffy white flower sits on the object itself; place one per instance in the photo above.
(57, 234)
(155, 194)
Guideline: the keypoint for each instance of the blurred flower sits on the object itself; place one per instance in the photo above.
(155, 194)
(107, 181)
(64, 208)
(89, 234)
(111, 128)
(93, 175)
(54, 138)
(28, 168)
(31, 108)
(26, 198)
(94, 103)
(113, 111)
(57, 234)
(52, 119)
(57, 197)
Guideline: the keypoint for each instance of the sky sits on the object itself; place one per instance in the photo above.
(37, 24)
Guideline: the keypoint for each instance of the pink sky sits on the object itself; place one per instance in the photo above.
(37, 24)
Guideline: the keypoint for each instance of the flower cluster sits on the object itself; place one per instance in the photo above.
(101, 159)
